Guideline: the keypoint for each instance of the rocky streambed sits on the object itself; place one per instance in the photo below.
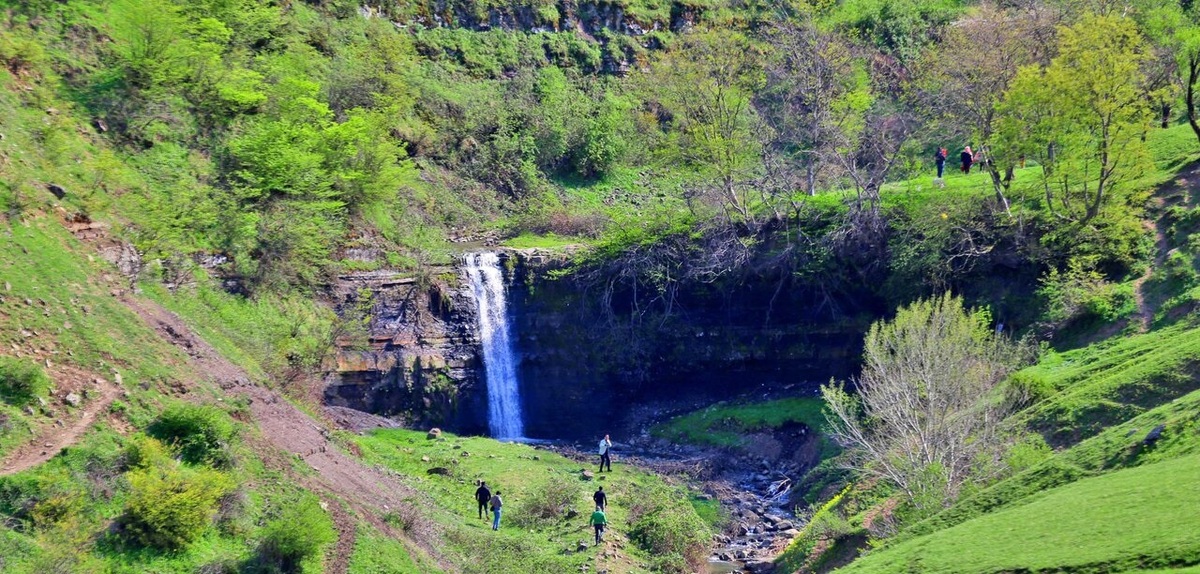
(754, 494)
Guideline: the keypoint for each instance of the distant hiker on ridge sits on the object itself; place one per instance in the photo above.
(599, 520)
(600, 498)
(483, 495)
(496, 504)
(939, 158)
(966, 157)
(605, 458)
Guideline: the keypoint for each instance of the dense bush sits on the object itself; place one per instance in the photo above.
(674, 533)
(169, 506)
(300, 531)
(547, 501)
(22, 381)
(201, 433)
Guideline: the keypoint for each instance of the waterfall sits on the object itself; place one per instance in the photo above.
(504, 396)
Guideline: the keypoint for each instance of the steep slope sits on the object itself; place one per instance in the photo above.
(1131, 519)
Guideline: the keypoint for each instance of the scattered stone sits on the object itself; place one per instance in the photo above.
(7, 286)
(434, 433)
(581, 546)
(73, 399)
(424, 459)
(118, 379)
(456, 447)
(100, 125)
(465, 453)
(58, 190)
(439, 470)
(587, 475)
(760, 567)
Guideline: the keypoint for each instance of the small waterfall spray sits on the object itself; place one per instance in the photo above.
(504, 396)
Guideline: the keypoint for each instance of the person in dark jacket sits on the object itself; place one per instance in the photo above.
(482, 495)
(939, 158)
(600, 498)
(966, 157)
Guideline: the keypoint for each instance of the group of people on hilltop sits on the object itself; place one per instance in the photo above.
(966, 159)
(487, 501)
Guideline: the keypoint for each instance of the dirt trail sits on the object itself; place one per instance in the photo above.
(1178, 191)
(52, 439)
(368, 492)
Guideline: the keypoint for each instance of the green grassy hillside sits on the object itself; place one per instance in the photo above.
(1130, 519)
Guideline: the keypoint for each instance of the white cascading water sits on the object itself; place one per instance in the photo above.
(504, 396)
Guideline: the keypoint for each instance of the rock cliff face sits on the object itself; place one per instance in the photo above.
(421, 358)
(585, 367)
(584, 370)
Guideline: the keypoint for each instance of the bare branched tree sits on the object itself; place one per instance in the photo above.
(928, 411)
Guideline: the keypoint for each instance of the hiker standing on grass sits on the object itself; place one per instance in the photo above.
(966, 157)
(483, 495)
(605, 458)
(600, 499)
(939, 158)
(599, 521)
(496, 504)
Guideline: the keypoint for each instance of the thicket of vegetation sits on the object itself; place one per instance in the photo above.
(276, 145)
(250, 151)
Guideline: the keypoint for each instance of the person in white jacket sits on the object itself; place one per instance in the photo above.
(605, 458)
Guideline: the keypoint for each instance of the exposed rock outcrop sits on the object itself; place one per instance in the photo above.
(421, 353)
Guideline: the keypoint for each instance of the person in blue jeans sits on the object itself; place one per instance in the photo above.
(496, 504)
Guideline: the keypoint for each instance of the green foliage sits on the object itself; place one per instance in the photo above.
(22, 381)
(899, 27)
(673, 534)
(170, 506)
(201, 433)
(300, 531)
(1080, 294)
(548, 501)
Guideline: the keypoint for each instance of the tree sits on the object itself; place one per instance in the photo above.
(706, 83)
(963, 81)
(1085, 128)
(816, 96)
(1175, 28)
(928, 410)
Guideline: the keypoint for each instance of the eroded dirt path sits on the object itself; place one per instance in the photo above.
(51, 439)
(368, 492)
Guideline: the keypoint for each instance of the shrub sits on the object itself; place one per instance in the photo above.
(145, 452)
(672, 532)
(170, 507)
(200, 432)
(547, 501)
(298, 532)
(22, 381)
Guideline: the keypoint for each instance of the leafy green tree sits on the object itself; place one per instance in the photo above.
(963, 79)
(1085, 128)
(1175, 28)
